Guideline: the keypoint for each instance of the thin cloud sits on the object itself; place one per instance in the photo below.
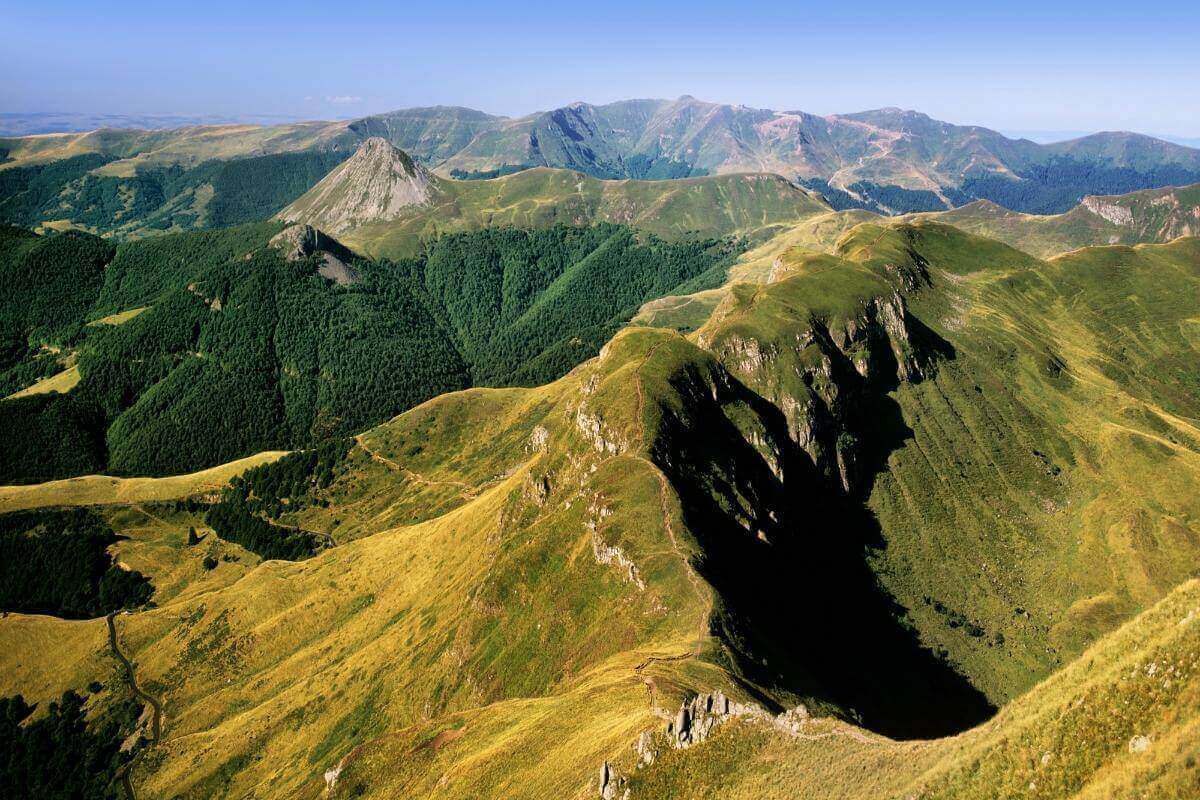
(343, 99)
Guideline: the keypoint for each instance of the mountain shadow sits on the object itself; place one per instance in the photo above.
(800, 612)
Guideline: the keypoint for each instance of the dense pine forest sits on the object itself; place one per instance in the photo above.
(56, 562)
(239, 350)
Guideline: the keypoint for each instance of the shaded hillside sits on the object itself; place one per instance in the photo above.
(921, 451)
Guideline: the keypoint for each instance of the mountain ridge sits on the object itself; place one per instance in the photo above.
(890, 160)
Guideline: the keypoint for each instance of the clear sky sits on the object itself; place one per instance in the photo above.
(1014, 66)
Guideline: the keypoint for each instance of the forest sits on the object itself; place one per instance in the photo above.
(56, 561)
(240, 350)
(60, 754)
(160, 198)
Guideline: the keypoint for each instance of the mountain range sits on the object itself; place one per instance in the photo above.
(888, 160)
(626, 452)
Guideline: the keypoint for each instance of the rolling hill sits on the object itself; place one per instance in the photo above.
(891, 161)
(352, 201)
(901, 484)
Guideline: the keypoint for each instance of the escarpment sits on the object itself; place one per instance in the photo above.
(771, 445)
(828, 371)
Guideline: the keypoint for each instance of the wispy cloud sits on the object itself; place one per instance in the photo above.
(343, 99)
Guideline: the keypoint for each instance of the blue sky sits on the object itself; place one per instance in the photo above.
(1025, 67)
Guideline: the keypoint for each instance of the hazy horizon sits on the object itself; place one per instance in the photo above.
(1028, 67)
(19, 123)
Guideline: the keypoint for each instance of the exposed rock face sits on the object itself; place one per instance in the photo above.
(695, 721)
(378, 183)
(301, 241)
(698, 717)
(841, 366)
(1114, 213)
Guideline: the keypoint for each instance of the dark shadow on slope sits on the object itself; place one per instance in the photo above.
(799, 610)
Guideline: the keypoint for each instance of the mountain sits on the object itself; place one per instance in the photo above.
(263, 337)
(750, 205)
(890, 161)
(377, 183)
(913, 516)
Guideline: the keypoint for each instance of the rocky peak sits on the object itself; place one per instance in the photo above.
(300, 241)
(378, 183)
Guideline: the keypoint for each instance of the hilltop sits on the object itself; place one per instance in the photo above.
(377, 183)
(131, 183)
(921, 449)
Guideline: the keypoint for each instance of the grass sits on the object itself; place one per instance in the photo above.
(119, 318)
(60, 382)
(711, 206)
(1154, 216)
(107, 490)
(1029, 497)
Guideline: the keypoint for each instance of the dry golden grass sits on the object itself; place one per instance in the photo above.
(106, 490)
(61, 382)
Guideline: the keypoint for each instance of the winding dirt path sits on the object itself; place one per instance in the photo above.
(697, 583)
(131, 679)
(466, 490)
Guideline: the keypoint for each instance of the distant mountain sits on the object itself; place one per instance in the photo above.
(377, 183)
(888, 160)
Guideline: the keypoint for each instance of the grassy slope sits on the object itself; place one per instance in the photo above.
(742, 204)
(1017, 495)
(1070, 736)
(465, 639)
(1154, 215)
(106, 490)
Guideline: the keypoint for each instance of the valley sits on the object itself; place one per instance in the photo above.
(617, 475)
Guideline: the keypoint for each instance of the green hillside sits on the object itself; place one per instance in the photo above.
(1153, 215)
(243, 350)
(724, 205)
(902, 484)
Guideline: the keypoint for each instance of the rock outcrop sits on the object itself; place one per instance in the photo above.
(301, 241)
(1114, 213)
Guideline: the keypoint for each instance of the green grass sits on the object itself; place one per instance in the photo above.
(717, 206)
(1021, 446)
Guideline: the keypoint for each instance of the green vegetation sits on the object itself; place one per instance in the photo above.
(234, 522)
(50, 283)
(921, 449)
(49, 436)
(241, 351)
(60, 753)
(1056, 185)
(29, 195)
(526, 306)
(55, 562)
(213, 194)
(249, 509)
(751, 205)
